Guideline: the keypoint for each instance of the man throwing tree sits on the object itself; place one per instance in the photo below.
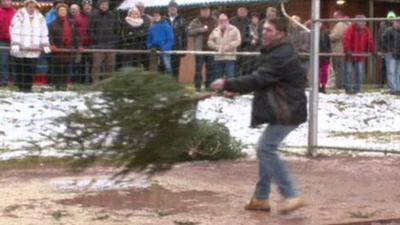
(279, 100)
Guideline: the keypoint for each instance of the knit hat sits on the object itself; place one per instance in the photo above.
(99, 2)
(56, 2)
(255, 14)
(30, 1)
(61, 5)
(87, 2)
(204, 6)
(391, 15)
(173, 4)
(133, 9)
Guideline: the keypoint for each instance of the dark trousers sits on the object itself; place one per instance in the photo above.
(59, 75)
(25, 69)
(82, 69)
(136, 60)
(208, 62)
(175, 64)
(383, 74)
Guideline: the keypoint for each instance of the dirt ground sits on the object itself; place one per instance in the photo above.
(336, 190)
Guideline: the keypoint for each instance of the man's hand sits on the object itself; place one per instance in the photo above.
(228, 94)
(348, 54)
(218, 85)
(15, 49)
(46, 49)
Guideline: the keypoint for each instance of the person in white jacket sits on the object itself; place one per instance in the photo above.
(225, 39)
(29, 36)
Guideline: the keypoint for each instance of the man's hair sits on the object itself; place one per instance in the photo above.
(280, 23)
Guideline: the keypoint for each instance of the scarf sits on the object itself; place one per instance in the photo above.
(134, 22)
(67, 33)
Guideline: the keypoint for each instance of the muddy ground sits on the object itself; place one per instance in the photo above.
(336, 190)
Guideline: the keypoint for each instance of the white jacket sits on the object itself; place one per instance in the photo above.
(28, 31)
(226, 43)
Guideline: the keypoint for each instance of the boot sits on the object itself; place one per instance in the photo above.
(291, 204)
(258, 204)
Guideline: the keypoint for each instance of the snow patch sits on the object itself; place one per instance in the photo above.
(25, 117)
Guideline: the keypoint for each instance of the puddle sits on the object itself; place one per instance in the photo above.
(79, 185)
(156, 197)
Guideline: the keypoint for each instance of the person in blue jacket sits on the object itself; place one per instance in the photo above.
(161, 37)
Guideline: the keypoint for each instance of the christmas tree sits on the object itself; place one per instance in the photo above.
(145, 121)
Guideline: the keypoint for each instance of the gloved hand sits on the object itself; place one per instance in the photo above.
(53, 48)
(46, 49)
(15, 48)
(348, 54)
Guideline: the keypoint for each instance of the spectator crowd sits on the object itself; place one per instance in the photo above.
(34, 38)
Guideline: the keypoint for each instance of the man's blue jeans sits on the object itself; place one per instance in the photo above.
(5, 62)
(166, 60)
(350, 86)
(393, 72)
(208, 61)
(271, 167)
(224, 67)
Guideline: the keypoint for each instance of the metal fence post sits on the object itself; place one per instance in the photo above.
(313, 100)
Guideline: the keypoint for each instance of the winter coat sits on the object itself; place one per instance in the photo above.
(357, 41)
(28, 34)
(295, 36)
(104, 29)
(242, 24)
(180, 31)
(196, 30)
(6, 15)
(336, 36)
(304, 42)
(324, 47)
(134, 37)
(278, 85)
(391, 42)
(51, 16)
(82, 26)
(160, 36)
(252, 35)
(56, 39)
(227, 41)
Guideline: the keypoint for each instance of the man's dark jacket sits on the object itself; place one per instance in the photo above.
(104, 29)
(391, 42)
(279, 87)
(180, 31)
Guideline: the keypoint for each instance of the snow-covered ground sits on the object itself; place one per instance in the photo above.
(368, 120)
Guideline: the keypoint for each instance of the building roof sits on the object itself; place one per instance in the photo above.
(127, 4)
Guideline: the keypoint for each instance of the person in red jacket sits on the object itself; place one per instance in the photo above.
(357, 39)
(7, 12)
(82, 25)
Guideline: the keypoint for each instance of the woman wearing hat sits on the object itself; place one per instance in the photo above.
(29, 35)
(63, 35)
(134, 32)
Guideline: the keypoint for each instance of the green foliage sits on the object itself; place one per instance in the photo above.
(145, 121)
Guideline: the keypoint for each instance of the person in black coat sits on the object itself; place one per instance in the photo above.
(242, 22)
(178, 24)
(324, 61)
(104, 30)
(279, 100)
(63, 35)
(134, 33)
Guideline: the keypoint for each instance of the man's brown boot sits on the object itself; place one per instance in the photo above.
(291, 204)
(258, 204)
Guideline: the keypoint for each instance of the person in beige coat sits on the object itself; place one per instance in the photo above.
(336, 37)
(224, 39)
